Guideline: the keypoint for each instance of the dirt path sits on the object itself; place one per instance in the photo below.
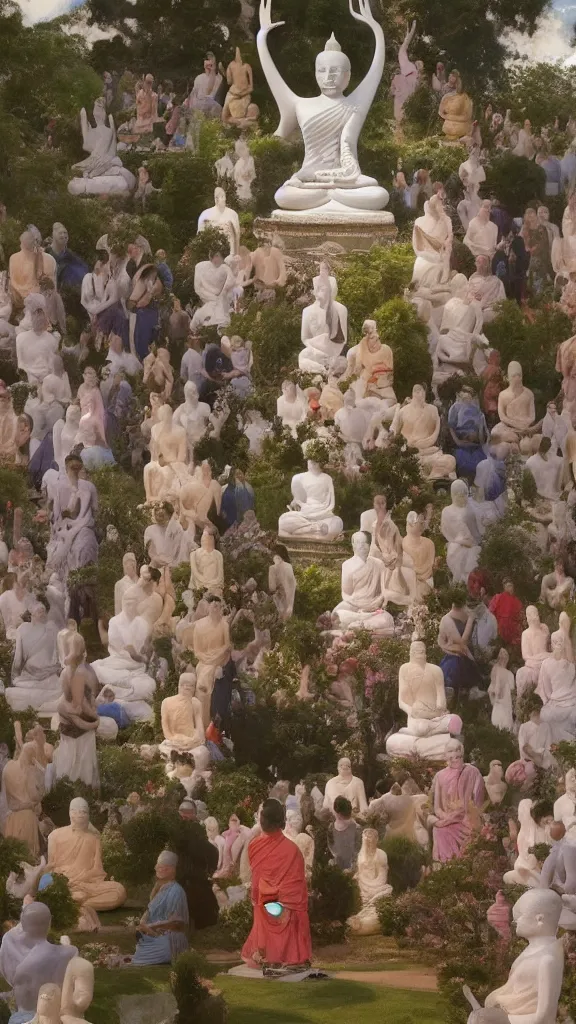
(423, 980)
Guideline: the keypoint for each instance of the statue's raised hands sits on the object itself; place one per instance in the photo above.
(266, 23)
(365, 12)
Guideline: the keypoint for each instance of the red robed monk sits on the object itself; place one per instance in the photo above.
(277, 943)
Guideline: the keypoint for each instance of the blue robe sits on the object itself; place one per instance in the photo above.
(168, 904)
(466, 418)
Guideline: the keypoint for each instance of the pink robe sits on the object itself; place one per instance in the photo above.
(454, 790)
(278, 874)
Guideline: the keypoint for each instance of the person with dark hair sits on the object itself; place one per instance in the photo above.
(279, 942)
(344, 835)
(460, 670)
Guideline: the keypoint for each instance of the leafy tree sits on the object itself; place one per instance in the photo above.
(515, 181)
(368, 279)
(539, 92)
(400, 327)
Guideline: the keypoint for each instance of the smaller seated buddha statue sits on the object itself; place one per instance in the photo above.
(311, 511)
(557, 689)
(517, 414)
(456, 109)
(532, 831)
(399, 579)
(347, 785)
(167, 472)
(292, 406)
(324, 330)
(482, 234)
(363, 602)
(162, 929)
(534, 644)
(421, 694)
(36, 667)
(489, 288)
(207, 565)
(557, 588)
(547, 470)
(76, 852)
(124, 670)
(372, 877)
(373, 362)
(419, 423)
(422, 552)
(458, 526)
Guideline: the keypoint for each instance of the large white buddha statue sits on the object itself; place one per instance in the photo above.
(458, 526)
(181, 716)
(292, 406)
(532, 991)
(363, 601)
(516, 412)
(102, 172)
(124, 670)
(329, 184)
(422, 695)
(36, 666)
(372, 878)
(311, 515)
(222, 217)
(76, 852)
(167, 472)
(419, 423)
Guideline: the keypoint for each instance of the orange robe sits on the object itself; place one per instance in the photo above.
(278, 874)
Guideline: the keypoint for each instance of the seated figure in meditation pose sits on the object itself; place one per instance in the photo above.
(292, 406)
(432, 244)
(532, 991)
(363, 602)
(469, 432)
(535, 820)
(181, 716)
(211, 645)
(324, 330)
(36, 667)
(102, 172)
(76, 851)
(456, 791)
(36, 347)
(461, 346)
(557, 588)
(534, 645)
(421, 694)
(75, 756)
(517, 413)
(534, 744)
(129, 579)
(565, 805)
(372, 877)
(419, 423)
(207, 565)
(213, 284)
(347, 785)
(546, 468)
(224, 218)
(124, 670)
(311, 514)
(422, 552)
(557, 688)
(459, 527)
(161, 931)
(330, 182)
(399, 579)
(29, 962)
(73, 542)
(27, 266)
(193, 415)
(374, 364)
(482, 234)
(277, 944)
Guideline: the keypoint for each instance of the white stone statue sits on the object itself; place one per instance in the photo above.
(419, 422)
(222, 217)
(547, 469)
(461, 346)
(353, 423)
(193, 415)
(422, 552)
(36, 667)
(468, 208)
(532, 991)
(164, 540)
(101, 173)
(489, 288)
(311, 511)
(282, 584)
(372, 877)
(292, 406)
(64, 434)
(77, 990)
(400, 585)
(458, 526)
(329, 185)
(244, 172)
(36, 348)
(304, 842)
(348, 785)
(129, 579)
(124, 670)
(557, 688)
(181, 716)
(526, 870)
(517, 413)
(500, 692)
(565, 805)
(407, 80)
(214, 285)
(496, 787)
(207, 565)
(211, 645)
(363, 602)
(564, 631)
(422, 695)
(28, 960)
(534, 645)
(557, 588)
(482, 234)
(167, 472)
(213, 833)
(324, 330)
(432, 244)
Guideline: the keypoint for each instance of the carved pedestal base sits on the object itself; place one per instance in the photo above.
(309, 552)
(313, 235)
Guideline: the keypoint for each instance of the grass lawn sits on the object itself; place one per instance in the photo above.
(258, 1002)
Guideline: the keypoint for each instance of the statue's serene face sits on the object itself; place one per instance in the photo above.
(332, 73)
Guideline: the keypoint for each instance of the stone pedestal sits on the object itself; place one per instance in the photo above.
(314, 235)
(312, 551)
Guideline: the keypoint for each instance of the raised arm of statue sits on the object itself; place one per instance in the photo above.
(84, 124)
(407, 67)
(365, 92)
(283, 95)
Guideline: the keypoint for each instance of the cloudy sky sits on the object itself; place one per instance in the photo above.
(551, 42)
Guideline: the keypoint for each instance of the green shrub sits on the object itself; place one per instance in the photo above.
(318, 589)
(56, 803)
(58, 899)
(236, 919)
(334, 897)
(275, 335)
(401, 329)
(395, 470)
(235, 790)
(123, 771)
(515, 181)
(421, 112)
(366, 280)
(195, 1001)
(405, 862)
